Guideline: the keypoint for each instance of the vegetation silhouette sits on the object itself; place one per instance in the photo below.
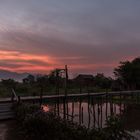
(127, 77)
(128, 74)
(37, 124)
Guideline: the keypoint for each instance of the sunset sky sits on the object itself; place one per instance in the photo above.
(89, 36)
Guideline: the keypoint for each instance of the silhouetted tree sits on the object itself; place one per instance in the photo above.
(9, 83)
(29, 80)
(129, 74)
(103, 82)
(42, 82)
(55, 77)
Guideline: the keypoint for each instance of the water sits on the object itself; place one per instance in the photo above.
(94, 113)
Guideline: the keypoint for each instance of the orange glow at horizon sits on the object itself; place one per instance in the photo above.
(27, 62)
(16, 61)
(15, 55)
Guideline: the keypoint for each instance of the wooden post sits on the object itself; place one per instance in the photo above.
(132, 95)
(82, 115)
(33, 96)
(12, 97)
(58, 107)
(106, 110)
(137, 97)
(101, 115)
(64, 108)
(120, 95)
(55, 106)
(80, 87)
(94, 117)
(72, 111)
(80, 104)
(111, 108)
(106, 94)
(115, 109)
(41, 93)
(66, 79)
(98, 115)
(57, 82)
(19, 100)
(67, 110)
(120, 107)
(89, 117)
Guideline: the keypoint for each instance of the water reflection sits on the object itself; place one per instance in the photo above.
(90, 114)
(94, 113)
(46, 108)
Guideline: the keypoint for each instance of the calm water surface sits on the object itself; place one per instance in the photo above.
(93, 114)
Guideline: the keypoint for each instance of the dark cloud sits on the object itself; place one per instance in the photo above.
(81, 33)
(10, 65)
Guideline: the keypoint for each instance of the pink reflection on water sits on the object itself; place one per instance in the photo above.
(45, 108)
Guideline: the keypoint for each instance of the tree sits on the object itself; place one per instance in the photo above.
(129, 74)
(55, 77)
(29, 80)
(9, 83)
(41, 82)
(103, 82)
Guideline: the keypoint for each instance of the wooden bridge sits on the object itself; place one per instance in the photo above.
(6, 103)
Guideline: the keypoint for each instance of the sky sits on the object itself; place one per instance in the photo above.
(90, 36)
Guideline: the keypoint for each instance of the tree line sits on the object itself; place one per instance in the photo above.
(127, 77)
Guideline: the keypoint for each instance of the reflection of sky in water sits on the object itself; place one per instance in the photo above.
(95, 114)
(90, 115)
(45, 108)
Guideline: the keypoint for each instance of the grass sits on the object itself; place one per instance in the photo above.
(34, 90)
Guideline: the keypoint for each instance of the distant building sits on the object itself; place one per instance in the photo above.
(84, 78)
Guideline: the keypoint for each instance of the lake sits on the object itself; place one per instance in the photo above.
(93, 113)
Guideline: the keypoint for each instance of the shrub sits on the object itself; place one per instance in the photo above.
(23, 110)
(46, 126)
(39, 125)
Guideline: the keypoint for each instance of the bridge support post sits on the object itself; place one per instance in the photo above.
(19, 100)
(64, 108)
(12, 97)
(58, 110)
